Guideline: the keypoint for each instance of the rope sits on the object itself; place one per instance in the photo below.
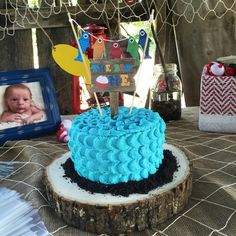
(180, 9)
(91, 35)
(46, 34)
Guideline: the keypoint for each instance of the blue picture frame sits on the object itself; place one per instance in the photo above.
(51, 109)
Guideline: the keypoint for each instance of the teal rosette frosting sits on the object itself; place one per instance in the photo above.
(111, 150)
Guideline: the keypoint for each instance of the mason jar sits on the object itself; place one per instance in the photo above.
(166, 92)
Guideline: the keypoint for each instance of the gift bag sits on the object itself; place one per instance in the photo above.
(217, 103)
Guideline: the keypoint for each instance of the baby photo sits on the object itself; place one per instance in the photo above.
(21, 104)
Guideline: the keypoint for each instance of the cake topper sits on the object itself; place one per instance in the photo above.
(113, 76)
(109, 65)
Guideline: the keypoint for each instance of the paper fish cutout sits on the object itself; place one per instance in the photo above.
(142, 41)
(84, 44)
(64, 56)
(98, 48)
(116, 51)
(132, 49)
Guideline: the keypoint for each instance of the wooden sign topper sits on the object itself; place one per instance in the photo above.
(113, 76)
(116, 75)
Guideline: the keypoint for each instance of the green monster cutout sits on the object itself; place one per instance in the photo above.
(132, 49)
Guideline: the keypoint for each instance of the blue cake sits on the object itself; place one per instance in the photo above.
(111, 150)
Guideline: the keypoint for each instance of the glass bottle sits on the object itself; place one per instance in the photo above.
(166, 92)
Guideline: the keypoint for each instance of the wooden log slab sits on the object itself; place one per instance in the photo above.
(114, 215)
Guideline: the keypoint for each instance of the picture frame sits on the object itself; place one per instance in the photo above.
(41, 87)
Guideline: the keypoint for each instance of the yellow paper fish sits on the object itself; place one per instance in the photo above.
(64, 55)
(98, 48)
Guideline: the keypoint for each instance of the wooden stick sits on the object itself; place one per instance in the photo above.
(81, 52)
(114, 103)
(161, 56)
(177, 48)
(138, 74)
(98, 104)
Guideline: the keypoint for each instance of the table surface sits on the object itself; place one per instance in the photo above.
(212, 205)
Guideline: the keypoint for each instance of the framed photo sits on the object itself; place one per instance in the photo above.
(28, 105)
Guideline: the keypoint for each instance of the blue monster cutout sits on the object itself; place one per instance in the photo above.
(142, 41)
(84, 44)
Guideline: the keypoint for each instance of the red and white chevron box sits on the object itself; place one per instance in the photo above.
(217, 103)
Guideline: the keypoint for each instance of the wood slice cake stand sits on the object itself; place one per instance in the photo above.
(105, 213)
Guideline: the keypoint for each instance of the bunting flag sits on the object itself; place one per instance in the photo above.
(132, 49)
(84, 44)
(98, 48)
(144, 39)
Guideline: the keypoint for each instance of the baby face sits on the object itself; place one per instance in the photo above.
(19, 100)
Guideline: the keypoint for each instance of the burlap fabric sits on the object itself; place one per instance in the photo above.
(212, 206)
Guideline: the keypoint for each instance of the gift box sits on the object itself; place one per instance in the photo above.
(217, 103)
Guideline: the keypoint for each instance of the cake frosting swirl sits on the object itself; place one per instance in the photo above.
(111, 150)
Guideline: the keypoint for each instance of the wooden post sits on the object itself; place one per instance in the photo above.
(114, 103)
